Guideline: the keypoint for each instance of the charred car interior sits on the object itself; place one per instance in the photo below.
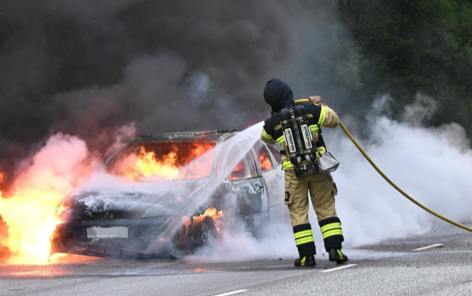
(184, 188)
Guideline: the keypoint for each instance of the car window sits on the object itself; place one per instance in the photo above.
(251, 164)
(263, 157)
(148, 161)
(246, 167)
(275, 153)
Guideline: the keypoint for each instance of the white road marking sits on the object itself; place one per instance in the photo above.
(428, 247)
(338, 268)
(231, 293)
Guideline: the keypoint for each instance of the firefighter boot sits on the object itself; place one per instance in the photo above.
(306, 261)
(337, 255)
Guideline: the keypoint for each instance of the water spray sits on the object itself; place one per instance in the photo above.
(398, 188)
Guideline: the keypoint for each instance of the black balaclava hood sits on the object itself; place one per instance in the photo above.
(278, 94)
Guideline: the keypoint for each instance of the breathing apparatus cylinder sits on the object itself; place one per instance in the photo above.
(288, 127)
(308, 148)
(299, 141)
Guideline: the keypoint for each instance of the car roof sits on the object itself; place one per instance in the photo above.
(217, 135)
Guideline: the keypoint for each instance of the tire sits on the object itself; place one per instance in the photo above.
(204, 232)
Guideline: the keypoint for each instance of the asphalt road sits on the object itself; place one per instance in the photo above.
(390, 268)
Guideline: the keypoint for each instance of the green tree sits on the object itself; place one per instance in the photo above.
(416, 46)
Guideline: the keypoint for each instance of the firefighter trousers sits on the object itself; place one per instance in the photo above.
(322, 191)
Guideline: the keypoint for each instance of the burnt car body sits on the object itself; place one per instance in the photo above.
(208, 181)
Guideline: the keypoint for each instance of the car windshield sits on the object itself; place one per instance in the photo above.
(164, 160)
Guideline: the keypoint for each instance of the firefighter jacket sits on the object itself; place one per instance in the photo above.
(318, 115)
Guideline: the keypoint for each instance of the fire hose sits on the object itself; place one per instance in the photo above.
(398, 188)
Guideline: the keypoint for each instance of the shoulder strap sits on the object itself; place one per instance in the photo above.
(299, 101)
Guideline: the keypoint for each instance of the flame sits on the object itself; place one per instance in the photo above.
(182, 162)
(264, 162)
(2, 179)
(189, 224)
(31, 218)
(238, 172)
(147, 165)
(30, 209)
(212, 213)
(31, 215)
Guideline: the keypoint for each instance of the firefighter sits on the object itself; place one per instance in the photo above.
(320, 185)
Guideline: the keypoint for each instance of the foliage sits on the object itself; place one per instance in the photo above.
(415, 46)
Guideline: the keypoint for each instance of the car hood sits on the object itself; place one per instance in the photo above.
(138, 201)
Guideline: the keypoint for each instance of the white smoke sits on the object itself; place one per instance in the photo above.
(56, 166)
(199, 86)
(155, 198)
(275, 241)
(429, 163)
(42, 181)
(121, 135)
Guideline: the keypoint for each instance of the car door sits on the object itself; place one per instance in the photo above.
(247, 193)
(271, 172)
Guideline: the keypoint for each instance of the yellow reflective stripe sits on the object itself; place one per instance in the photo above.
(285, 161)
(286, 164)
(321, 149)
(299, 101)
(340, 254)
(280, 140)
(266, 135)
(305, 240)
(314, 128)
(330, 226)
(302, 262)
(332, 233)
(303, 233)
(322, 115)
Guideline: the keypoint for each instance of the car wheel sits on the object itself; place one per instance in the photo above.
(201, 234)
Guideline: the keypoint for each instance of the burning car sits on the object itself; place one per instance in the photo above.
(181, 189)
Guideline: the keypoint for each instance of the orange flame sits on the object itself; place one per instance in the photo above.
(189, 224)
(2, 179)
(148, 165)
(182, 162)
(30, 216)
(264, 162)
(212, 213)
(31, 207)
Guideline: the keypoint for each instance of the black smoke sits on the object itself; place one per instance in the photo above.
(89, 67)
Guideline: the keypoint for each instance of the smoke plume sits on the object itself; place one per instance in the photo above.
(428, 163)
(90, 68)
(102, 71)
(30, 211)
(431, 164)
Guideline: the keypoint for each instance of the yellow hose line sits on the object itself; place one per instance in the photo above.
(395, 186)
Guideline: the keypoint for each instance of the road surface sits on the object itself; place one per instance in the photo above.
(436, 263)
